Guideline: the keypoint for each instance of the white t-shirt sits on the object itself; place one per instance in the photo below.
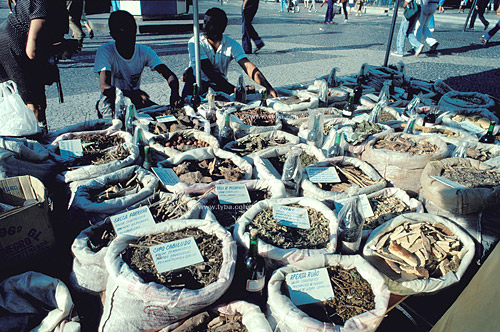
(228, 50)
(125, 73)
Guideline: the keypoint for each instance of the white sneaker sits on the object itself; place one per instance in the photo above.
(431, 30)
(419, 50)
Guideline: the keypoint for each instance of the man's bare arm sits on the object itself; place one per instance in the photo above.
(255, 74)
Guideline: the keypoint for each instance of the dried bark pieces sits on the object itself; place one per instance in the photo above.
(208, 170)
(406, 145)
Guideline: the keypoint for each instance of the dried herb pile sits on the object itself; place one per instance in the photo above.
(100, 149)
(253, 143)
(181, 142)
(363, 130)
(385, 208)
(183, 122)
(256, 117)
(196, 276)
(479, 154)
(208, 170)
(477, 119)
(271, 232)
(120, 189)
(406, 145)
(472, 177)
(348, 175)
(209, 321)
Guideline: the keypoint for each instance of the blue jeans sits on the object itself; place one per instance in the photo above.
(284, 5)
(329, 12)
(403, 29)
(432, 25)
(422, 27)
(492, 32)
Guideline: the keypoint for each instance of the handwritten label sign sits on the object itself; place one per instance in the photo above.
(322, 174)
(166, 118)
(70, 148)
(167, 176)
(291, 216)
(233, 193)
(449, 182)
(365, 207)
(469, 126)
(309, 286)
(176, 254)
(129, 221)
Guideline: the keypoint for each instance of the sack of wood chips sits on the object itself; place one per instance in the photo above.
(351, 171)
(180, 141)
(402, 166)
(459, 200)
(234, 316)
(295, 243)
(34, 298)
(269, 163)
(90, 246)
(111, 193)
(248, 146)
(450, 135)
(122, 155)
(138, 304)
(204, 158)
(419, 253)
(285, 316)
(21, 156)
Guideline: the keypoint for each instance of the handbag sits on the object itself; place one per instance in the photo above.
(17, 118)
(410, 10)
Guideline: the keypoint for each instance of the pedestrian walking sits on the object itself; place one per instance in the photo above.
(463, 4)
(85, 23)
(248, 11)
(284, 5)
(352, 3)
(440, 6)
(479, 12)
(311, 7)
(75, 9)
(359, 4)
(427, 9)
(330, 13)
(484, 39)
(344, 8)
(405, 28)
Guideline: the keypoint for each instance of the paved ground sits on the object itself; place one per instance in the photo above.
(299, 48)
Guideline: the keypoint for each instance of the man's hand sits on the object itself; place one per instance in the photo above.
(176, 101)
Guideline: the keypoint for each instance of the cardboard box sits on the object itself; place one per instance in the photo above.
(25, 231)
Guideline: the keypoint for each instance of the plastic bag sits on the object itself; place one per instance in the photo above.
(410, 125)
(375, 113)
(323, 93)
(350, 226)
(461, 150)
(316, 129)
(292, 172)
(17, 118)
(385, 94)
(337, 149)
(332, 78)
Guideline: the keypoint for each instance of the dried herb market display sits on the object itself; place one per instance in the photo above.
(252, 143)
(209, 321)
(385, 208)
(293, 100)
(196, 276)
(208, 170)
(256, 117)
(228, 214)
(406, 145)
(271, 232)
(479, 154)
(182, 122)
(472, 177)
(348, 175)
(120, 189)
(362, 130)
(386, 116)
(477, 119)
(100, 149)
(420, 250)
(353, 296)
(305, 160)
(181, 142)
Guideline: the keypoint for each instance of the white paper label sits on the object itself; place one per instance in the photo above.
(449, 182)
(166, 118)
(132, 220)
(469, 126)
(233, 193)
(167, 176)
(70, 148)
(322, 174)
(309, 286)
(365, 207)
(176, 254)
(256, 285)
(291, 216)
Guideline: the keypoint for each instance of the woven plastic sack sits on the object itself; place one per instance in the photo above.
(136, 305)
(403, 170)
(157, 110)
(312, 190)
(84, 209)
(455, 136)
(32, 293)
(457, 100)
(109, 125)
(457, 201)
(89, 271)
(286, 256)
(202, 154)
(418, 286)
(239, 126)
(17, 118)
(168, 151)
(265, 170)
(268, 135)
(307, 101)
(493, 149)
(284, 316)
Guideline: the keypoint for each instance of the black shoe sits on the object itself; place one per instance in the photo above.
(486, 26)
(261, 45)
(249, 52)
(434, 47)
(411, 51)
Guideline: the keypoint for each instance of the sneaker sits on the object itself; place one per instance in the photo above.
(400, 55)
(419, 49)
(345, 21)
(434, 47)
(483, 40)
(431, 30)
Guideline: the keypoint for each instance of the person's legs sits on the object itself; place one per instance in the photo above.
(329, 12)
(400, 42)
(473, 19)
(431, 23)
(428, 12)
(344, 8)
(313, 6)
(480, 14)
(493, 31)
(249, 32)
(284, 5)
(75, 8)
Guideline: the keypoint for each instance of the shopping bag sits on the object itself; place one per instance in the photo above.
(17, 118)
(410, 10)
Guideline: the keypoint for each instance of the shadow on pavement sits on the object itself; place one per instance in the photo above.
(485, 82)
(464, 49)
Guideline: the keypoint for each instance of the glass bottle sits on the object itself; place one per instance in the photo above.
(488, 137)
(430, 117)
(129, 123)
(358, 92)
(263, 100)
(148, 160)
(195, 98)
(336, 150)
(241, 93)
(255, 273)
(351, 223)
(348, 110)
(211, 104)
(226, 133)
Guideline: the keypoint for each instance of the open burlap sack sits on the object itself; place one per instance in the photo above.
(458, 100)
(280, 255)
(239, 126)
(448, 119)
(307, 100)
(284, 316)
(168, 151)
(400, 286)
(110, 125)
(399, 168)
(457, 201)
(133, 304)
